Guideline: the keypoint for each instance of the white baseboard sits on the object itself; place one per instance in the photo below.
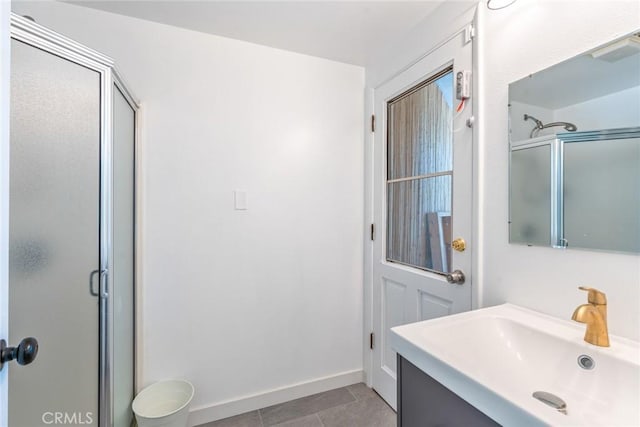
(217, 411)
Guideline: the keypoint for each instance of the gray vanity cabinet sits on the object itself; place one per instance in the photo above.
(424, 402)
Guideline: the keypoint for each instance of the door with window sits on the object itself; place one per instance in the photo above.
(422, 200)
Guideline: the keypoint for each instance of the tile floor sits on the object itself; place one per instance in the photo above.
(353, 406)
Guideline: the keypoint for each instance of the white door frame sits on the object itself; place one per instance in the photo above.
(369, 186)
(5, 57)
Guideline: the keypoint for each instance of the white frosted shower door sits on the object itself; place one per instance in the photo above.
(54, 237)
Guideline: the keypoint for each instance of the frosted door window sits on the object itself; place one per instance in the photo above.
(122, 266)
(419, 175)
(54, 213)
(530, 198)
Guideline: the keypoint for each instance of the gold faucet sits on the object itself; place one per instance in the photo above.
(594, 314)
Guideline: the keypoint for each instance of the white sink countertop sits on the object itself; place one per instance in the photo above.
(496, 357)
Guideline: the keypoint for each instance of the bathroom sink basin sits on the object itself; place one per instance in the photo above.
(496, 358)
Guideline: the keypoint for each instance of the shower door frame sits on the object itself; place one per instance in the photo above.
(39, 37)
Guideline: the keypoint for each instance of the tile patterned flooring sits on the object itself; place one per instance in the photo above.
(353, 406)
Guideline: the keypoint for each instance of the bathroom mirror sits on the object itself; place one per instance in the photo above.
(574, 133)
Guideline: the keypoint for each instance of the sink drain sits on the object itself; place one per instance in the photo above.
(586, 362)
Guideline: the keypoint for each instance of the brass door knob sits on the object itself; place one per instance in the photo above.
(459, 244)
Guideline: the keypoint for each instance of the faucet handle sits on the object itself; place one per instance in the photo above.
(595, 296)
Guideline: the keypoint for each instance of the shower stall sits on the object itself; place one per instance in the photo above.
(71, 232)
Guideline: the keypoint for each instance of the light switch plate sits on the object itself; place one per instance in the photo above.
(240, 200)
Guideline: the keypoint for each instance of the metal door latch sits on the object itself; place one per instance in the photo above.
(456, 277)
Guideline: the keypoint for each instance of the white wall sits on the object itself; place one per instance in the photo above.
(616, 110)
(241, 302)
(446, 19)
(521, 129)
(531, 35)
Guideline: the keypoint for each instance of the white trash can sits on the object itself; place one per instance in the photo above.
(164, 404)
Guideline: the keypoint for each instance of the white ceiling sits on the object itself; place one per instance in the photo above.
(345, 31)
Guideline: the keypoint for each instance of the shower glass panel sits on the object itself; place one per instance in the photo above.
(602, 194)
(530, 196)
(123, 258)
(54, 236)
(72, 243)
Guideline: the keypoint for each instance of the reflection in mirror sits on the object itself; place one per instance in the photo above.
(602, 194)
(575, 151)
(531, 168)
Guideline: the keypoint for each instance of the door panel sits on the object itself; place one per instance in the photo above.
(431, 306)
(422, 200)
(54, 240)
(394, 314)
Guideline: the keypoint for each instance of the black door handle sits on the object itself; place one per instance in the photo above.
(24, 353)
